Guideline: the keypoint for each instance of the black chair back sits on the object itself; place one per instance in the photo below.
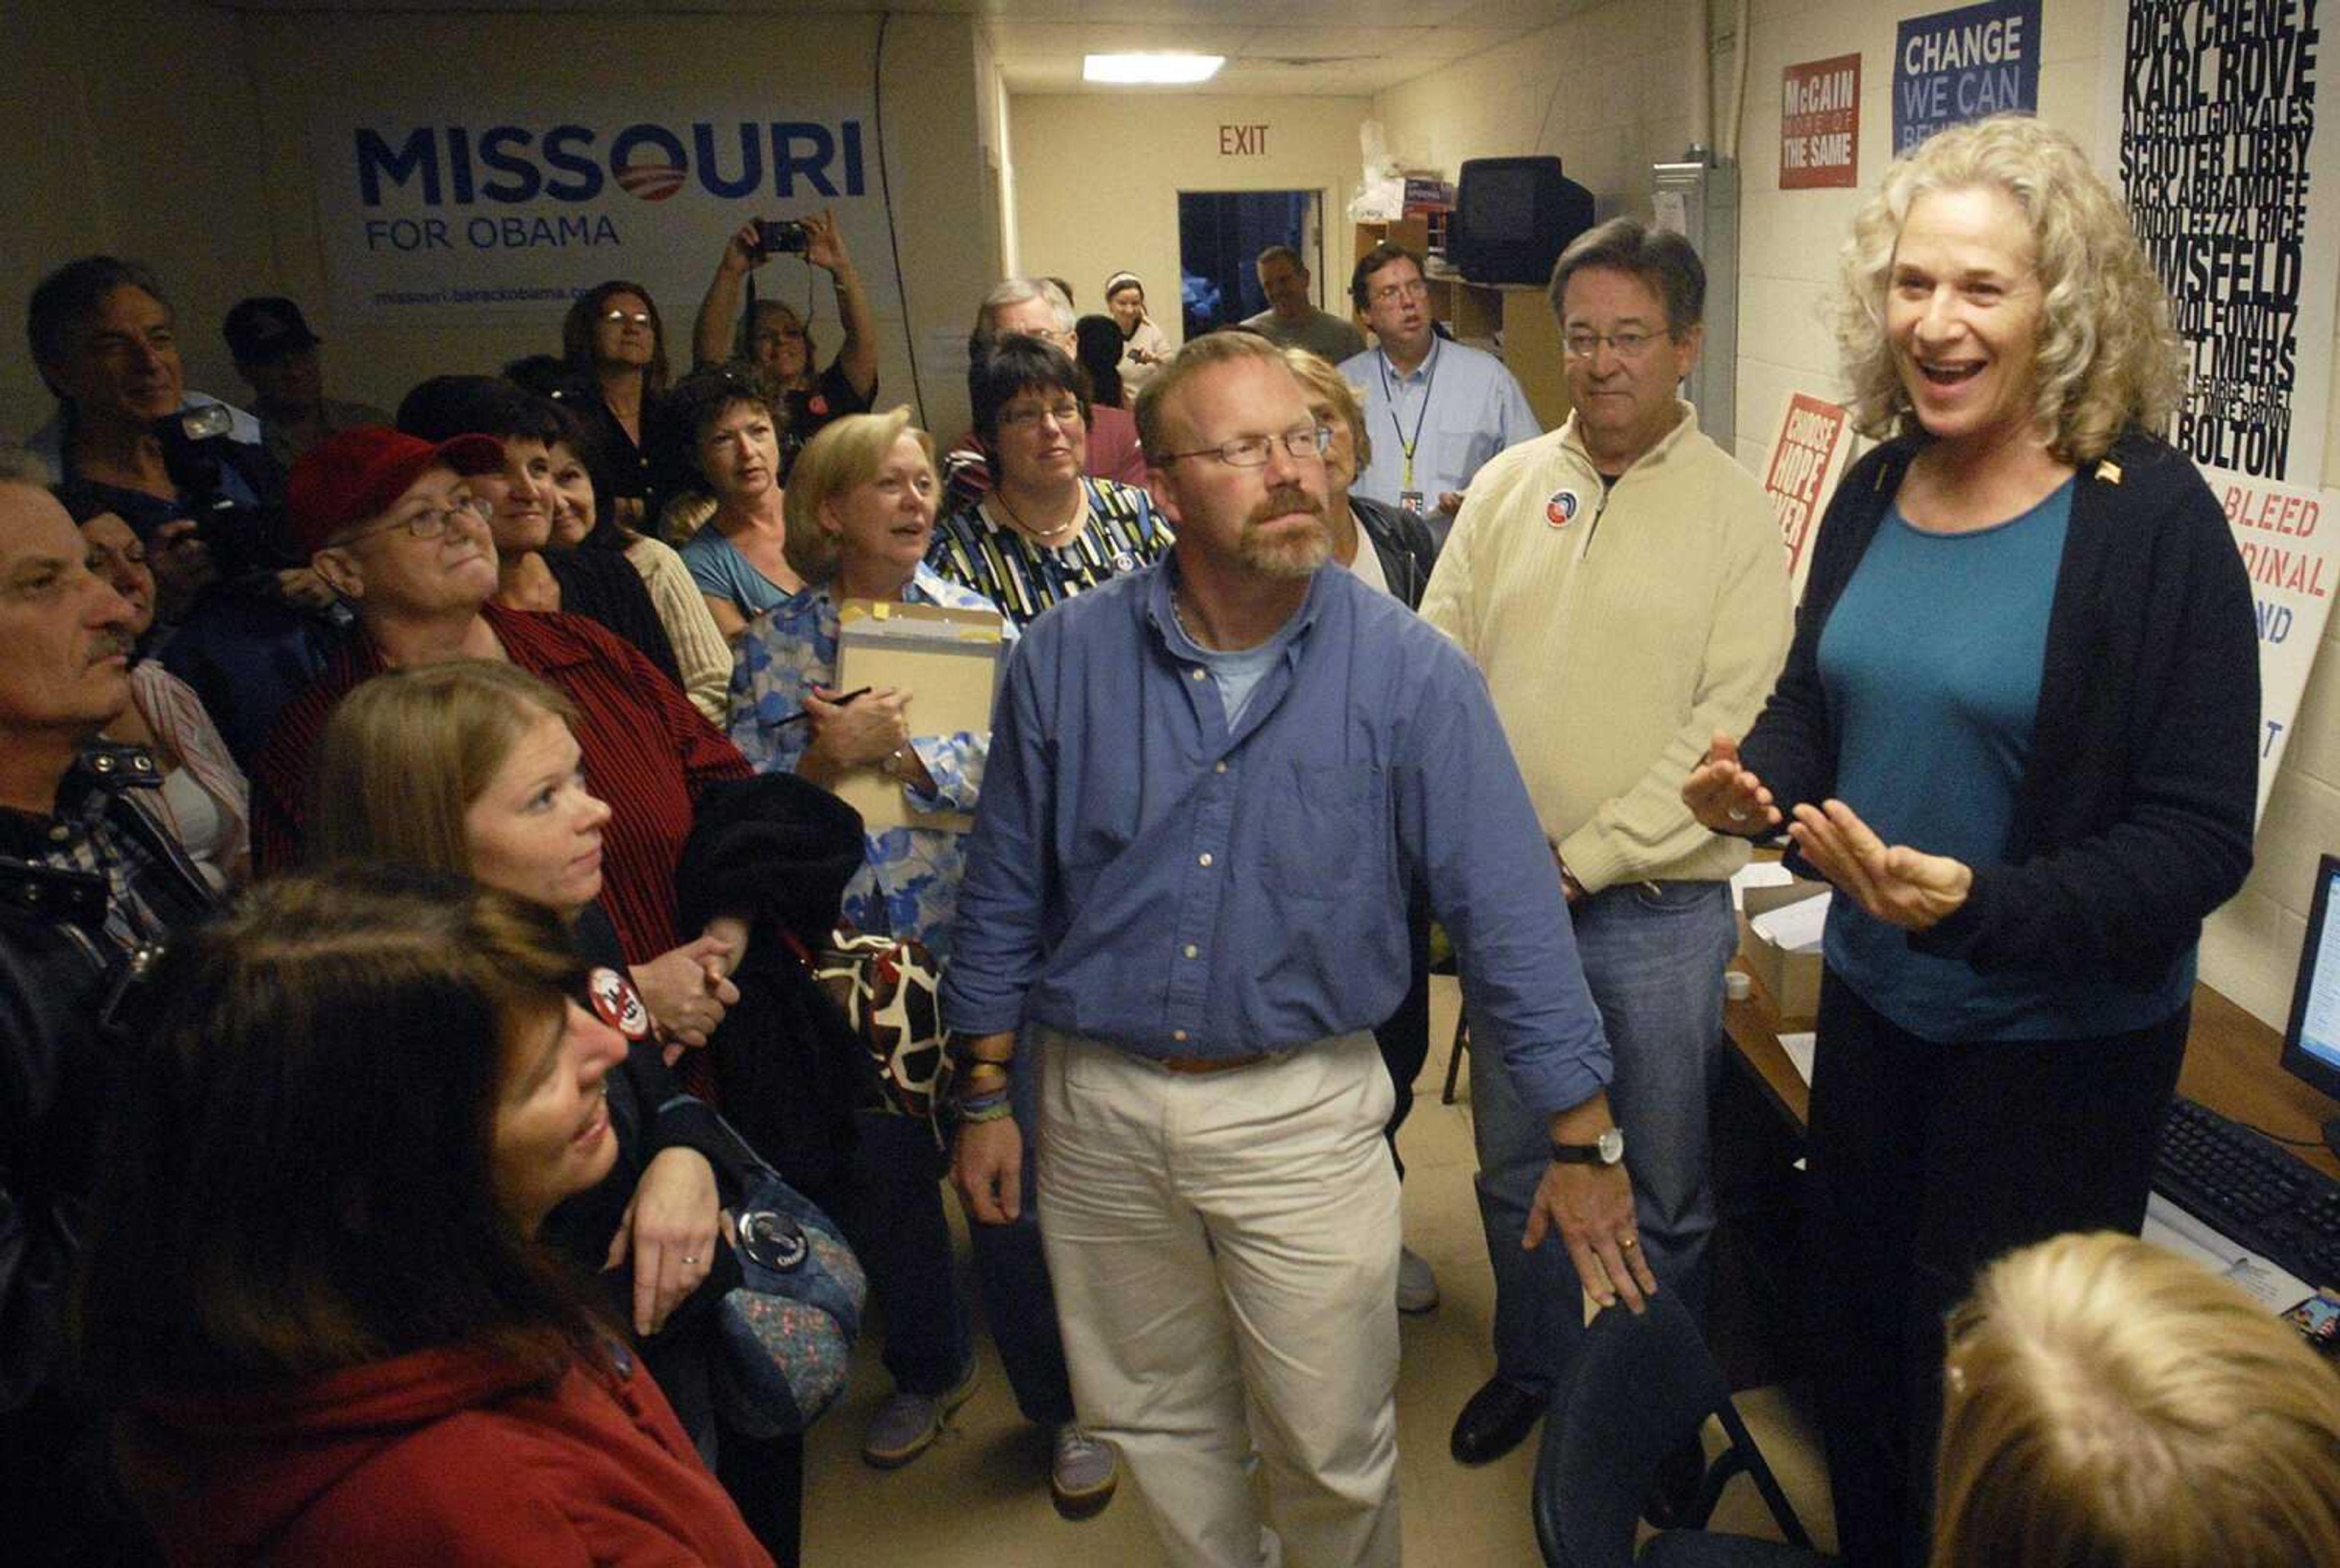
(1642, 1388)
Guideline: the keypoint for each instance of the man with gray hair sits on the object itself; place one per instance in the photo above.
(87, 883)
(1292, 319)
(1621, 583)
(1036, 307)
(1211, 781)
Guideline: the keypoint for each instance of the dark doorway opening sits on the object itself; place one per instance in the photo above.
(1222, 233)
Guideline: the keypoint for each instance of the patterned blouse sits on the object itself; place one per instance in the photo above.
(908, 881)
(975, 549)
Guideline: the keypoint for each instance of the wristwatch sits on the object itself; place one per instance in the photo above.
(1608, 1151)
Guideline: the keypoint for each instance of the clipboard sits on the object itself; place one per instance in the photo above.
(948, 659)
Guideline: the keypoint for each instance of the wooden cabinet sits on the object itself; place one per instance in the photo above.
(1512, 322)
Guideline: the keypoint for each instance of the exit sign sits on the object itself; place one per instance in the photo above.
(1243, 140)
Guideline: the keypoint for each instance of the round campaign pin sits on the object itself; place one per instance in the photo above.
(1561, 510)
(618, 1005)
(1124, 561)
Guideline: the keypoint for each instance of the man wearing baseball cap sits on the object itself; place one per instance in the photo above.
(276, 354)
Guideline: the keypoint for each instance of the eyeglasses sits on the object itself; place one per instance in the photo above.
(1628, 344)
(431, 521)
(1025, 415)
(1389, 293)
(619, 318)
(1252, 451)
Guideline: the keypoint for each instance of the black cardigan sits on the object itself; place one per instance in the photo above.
(2132, 817)
(602, 585)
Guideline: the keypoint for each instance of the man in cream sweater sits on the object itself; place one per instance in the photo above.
(1621, 584)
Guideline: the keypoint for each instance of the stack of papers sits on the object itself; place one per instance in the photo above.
(1795, 928)
(2169, 1226)
(1758, 874)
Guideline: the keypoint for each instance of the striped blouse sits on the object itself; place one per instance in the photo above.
(975, 550)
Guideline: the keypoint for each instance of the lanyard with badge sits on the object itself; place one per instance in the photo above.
(1409, 497)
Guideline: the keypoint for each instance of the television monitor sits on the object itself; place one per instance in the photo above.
(1513, 217)
(2311, 1045)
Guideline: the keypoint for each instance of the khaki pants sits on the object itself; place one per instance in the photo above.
(1223, 1234)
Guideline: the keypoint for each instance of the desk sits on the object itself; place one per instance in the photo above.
(1757, 1328)
(2231, 1066)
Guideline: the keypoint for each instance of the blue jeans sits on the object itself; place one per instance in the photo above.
(1654, 955)
(903, 1240)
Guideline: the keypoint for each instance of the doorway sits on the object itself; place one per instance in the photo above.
(1222, 233)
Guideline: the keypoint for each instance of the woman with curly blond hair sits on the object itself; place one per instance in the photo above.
(2018, 730)
(2113, 1403)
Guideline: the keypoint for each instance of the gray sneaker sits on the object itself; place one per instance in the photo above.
(1083, 1471)
(1417, 1287)
(905, 1425)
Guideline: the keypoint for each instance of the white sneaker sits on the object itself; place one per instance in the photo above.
(1417, 1287)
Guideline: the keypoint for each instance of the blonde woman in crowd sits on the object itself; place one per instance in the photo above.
(2114, 1405)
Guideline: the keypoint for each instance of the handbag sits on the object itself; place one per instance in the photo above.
(889, 989)
(786, 1332)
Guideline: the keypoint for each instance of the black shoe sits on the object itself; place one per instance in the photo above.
(1495, 1421)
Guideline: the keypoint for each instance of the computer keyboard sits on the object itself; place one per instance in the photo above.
(2252, 1190)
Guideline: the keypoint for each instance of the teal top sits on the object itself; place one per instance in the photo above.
(1931, 660)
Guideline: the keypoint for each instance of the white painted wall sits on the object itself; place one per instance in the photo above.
(1097, 178)
(1606, 89)
(106, 153)
(1604, 85)
(178, 133)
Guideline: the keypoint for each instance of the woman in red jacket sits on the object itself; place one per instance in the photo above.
(315, 1294)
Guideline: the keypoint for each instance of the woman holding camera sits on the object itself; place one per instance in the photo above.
(775, 338)
(317, 1295)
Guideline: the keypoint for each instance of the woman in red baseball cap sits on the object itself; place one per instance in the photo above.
(390, 522)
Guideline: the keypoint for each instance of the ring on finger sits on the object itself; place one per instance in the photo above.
(1630, 1242)
(687, 1258)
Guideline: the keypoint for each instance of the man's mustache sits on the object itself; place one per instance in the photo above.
(1282, 501)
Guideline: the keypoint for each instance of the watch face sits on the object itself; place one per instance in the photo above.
(1612, 1146)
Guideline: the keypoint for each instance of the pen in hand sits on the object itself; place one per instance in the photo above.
(840, 701)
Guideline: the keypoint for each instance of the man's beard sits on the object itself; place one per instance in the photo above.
(1291, 553)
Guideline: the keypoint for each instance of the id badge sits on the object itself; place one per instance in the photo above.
(1410, 501)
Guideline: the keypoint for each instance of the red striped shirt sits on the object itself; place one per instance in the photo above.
(646, 752)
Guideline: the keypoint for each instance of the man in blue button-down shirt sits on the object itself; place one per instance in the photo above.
(1438, 410)
(1210, 784)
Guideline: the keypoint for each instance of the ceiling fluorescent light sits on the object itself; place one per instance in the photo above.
(1150, 69)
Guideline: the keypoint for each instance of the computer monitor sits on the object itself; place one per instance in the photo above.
(2311, 1045)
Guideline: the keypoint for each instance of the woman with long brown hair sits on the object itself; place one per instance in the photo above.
(316, 1294)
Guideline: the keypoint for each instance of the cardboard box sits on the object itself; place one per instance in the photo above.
(1791, 980)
